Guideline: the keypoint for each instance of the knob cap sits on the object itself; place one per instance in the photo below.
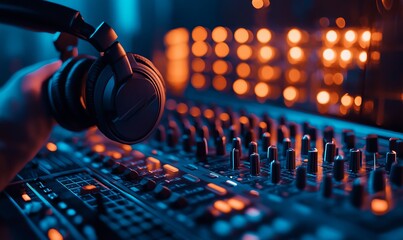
(357, 193)
(162, 192)
(338, 168)
(272, 153)
(265, 141)
(355, 160)
(282, 132)
(235, 159)
(249, 137)
(390, 159)
(275, 171)
(305, 145)
(371, 143)
(300, 178)
(396, 174)
(201, 150)
(252, 147)
(254, 160)
(313, 133)
(293, 130)
(186, 143)
(377, 180)
(237, 143)
(392, 144)
(147, 184)
(313, 161)
(290, 159)
(348, 138)
(328, 133)
(286, 146)
(220, 145)
(330, 152)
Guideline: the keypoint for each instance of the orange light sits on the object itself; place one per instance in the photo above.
(262, 89)
(182, 108)
(243, 70)
(290, 93)
(54, 234)
(199, 49)
(350, 36)
(294, 75)
(244, 120)
(362, 57)
(240, 87)
(346, 100)
(198, 65)
(198, 81)
(379, 206)
(224, 117)
(338, 78)
(116, 155)
(199, 33)
(296, 53)
(346, 55)
(266, 73)
(89, 187)
(294, 36)
(366, 36)
(323, 97)
(216, 189)
(377, 36)
(241, 35)
(219, 34)
(331, 36)
(126, 147)
(222, 206)
(176, 36)
(26, 197)
(221, 49)
(358, 101)
(178, 51)
(195, 111)
(244, 52)
(208, 113)
(51, 147)
(263, 35)
(375, 55)
(220, 67)
(98, 148)
(153, 163)
(171, 104)
(236, 204)
(329, 54)
(170, 169)
(219, 83)
(266, 53)
(340, 22)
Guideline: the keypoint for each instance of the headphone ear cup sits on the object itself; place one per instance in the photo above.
(74, 91)
(56, 93)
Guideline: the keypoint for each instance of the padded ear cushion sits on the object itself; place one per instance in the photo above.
(134, 109)
(57, 96)
(74, 89)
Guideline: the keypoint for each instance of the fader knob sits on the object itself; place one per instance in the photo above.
(357, 193)
(282, 132)
(327, 186)
(330, 152)
(220, 145)
(300, 178)
(172, 138)
(371, 143)
(147, 184)
(328, 133)
(390, 159)
(235, 159)
(131, 175)
(286, 146)
(290, 159)
(392, 144)
(272, 153)
(305, 145)
(254, 160)
(396, 174)
(265, 141)
(338, 168)
(313, 133)
(252, 147)
(313, 161)
(249, 137)
(201, 150)
(293, 130)
(162, 192)
(349, 141)
(377, 180)
(355, 160)
(237, 143)
(275, 171)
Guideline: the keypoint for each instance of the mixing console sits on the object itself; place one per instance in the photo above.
(217, 172)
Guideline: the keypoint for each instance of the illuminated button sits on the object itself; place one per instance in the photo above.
(153, 163)
(236, 203)
(26, 197)
(222, 206)
(51, 147)
(88, 189)
(71, 212)
(222, 228)
(170, 169)
(147, 184)
(216, 189)
(191, 178)
(254, 193)
(162, 192)
(379, 206)
(253, 215)
(54, 234)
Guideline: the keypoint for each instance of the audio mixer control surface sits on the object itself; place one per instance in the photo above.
(214, 172)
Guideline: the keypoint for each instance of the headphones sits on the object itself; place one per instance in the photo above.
(123, 94)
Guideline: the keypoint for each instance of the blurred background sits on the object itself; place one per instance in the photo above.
(339, 58)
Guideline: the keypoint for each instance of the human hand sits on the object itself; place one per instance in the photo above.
(25, 122)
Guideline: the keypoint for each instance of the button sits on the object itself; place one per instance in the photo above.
(222, 228)
(201, 150)
(235, 159)
(254, 161)
(191, 178)
(222, 206)
(169, 169)
(290, 159)
(300, 179)
(88, 189)
(338, 168)
(147, 184)
(275, 171)
(371, 143)
(162, 192)
(131, 175)
(252, 148)
(178, 201)
(216, 189)
(26, 197)
(265, 141)
(396, 174)
(191, 167)
(53, 196)
(312, 161)
(153, 163)
(272, 153)
(330, 152)
(118, 168)
(305, 145)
